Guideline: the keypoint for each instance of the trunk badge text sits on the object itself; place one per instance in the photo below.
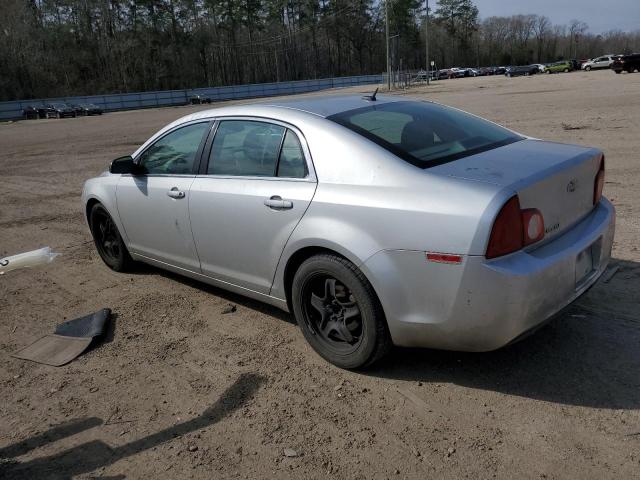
(552, 228)
(571, 186)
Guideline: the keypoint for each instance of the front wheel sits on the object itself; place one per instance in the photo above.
(108, 241)
(339, 312)
(566, 70)
(588, 69)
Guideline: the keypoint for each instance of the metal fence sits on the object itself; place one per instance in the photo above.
(127, 101)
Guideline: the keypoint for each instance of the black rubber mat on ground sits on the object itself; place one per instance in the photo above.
(92, 325)
(69, 340)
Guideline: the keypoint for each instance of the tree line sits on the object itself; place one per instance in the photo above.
(76, 47)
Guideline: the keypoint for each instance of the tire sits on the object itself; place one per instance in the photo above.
(566, 70)
(108, 240)
(548, 72)
(588, 69)
(58, 115)
(618, 72)
(327, 290)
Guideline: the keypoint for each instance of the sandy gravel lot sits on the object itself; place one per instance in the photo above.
(181, 390)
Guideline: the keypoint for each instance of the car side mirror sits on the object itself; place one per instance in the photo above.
(125, 165)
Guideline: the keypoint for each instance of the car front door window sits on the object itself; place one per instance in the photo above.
(175, 153)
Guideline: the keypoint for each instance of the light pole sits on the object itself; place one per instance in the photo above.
(386, 22)
(426, 41)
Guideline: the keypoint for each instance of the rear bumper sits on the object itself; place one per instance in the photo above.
(482, 304)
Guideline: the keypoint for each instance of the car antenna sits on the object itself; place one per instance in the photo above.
(371, 97)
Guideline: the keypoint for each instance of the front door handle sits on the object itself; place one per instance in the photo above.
(277, 203)
(175, 193)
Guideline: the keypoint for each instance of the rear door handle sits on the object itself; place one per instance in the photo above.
(277, 203)
(175, 193)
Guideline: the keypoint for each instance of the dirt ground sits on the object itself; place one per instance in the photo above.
(181, 390)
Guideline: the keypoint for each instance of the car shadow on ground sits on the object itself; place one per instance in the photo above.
(588, 356)
(95, 454)
(145, 269)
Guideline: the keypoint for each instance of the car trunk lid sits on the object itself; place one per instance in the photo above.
(556, 179)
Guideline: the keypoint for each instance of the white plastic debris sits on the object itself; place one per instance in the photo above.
(34, 258)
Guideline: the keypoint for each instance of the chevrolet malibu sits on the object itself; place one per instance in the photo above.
(375, 221)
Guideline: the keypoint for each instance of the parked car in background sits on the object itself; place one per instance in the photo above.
(598, 63)
(467, 237)
(627, 63)
(199, 99)
(521, 70)
(421, 75)
(88, 109)
(30, 112)
(557, 67)
(458, 72)
(57, 110)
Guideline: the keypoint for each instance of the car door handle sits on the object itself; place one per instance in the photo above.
(277, 203)
(175, 193)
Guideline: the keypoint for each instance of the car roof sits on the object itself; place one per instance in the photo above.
(320, 105)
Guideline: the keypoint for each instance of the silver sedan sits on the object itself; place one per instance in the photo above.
(375, 221)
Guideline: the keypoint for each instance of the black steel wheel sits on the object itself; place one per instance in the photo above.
(338, 312)
(108, 241)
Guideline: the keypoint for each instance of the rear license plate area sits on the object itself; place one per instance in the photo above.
(587, 262)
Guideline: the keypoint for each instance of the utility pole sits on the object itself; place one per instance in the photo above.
(386, 27)
(426, 42)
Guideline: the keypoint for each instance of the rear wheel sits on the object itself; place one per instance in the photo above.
(548, 72)
(339, 313)
(566, 70)
(587, 69)
(108, 241)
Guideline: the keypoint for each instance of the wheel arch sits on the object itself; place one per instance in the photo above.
(89, 206)
(105, 198)
(298, 257)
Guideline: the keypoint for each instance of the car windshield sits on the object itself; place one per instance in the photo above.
(425, 134)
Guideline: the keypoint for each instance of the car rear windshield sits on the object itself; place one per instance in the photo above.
(425, 134)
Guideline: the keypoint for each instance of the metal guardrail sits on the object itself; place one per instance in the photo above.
(129, 101)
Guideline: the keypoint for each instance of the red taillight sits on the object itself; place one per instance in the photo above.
(507, 232)
(599, 183)
(514, 229)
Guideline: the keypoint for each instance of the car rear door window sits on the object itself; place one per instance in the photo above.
(175, 153)
(292, 163)
(245, 148)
